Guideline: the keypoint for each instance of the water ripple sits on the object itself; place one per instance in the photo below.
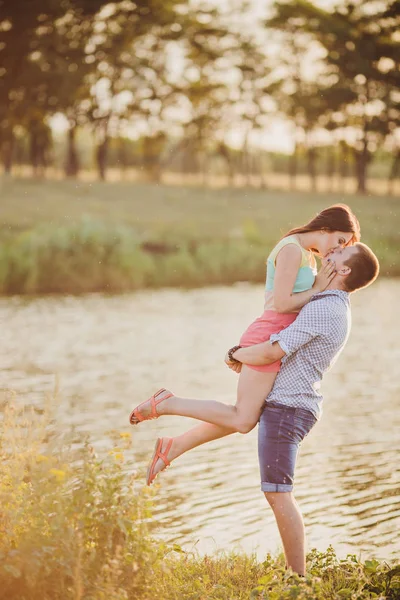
(109, 353)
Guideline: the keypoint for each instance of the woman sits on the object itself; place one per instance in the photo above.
(292, 280)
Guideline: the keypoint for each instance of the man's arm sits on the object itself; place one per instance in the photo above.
(259, 354)
(313, 320)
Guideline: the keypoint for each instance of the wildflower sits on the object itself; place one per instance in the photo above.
(42, 458)
(58, 474)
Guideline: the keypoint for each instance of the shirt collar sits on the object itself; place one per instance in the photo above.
(340, 293)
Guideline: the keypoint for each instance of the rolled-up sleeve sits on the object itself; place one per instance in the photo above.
(313, 321)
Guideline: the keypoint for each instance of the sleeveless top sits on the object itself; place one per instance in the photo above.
(307, 270)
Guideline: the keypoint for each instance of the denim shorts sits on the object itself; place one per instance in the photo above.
(280, 433)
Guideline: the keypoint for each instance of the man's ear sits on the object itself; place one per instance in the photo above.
(345, 270)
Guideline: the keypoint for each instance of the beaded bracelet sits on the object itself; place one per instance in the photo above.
(232, 351)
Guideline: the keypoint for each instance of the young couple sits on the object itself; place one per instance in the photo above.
(281, 359)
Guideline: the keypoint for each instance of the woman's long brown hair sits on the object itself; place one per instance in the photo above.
(338, 217)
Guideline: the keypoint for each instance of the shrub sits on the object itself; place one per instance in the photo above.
(75, 527)
(71, 525)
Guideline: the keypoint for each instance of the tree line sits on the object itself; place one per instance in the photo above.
(187, 77)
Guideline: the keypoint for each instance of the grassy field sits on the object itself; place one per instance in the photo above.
(120, 235)
(74, 526)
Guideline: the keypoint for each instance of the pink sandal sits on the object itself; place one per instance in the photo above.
(156, 455)
(136, 416)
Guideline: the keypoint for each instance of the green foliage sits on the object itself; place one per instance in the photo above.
(54, 55)
(74, 526)
(86, 257)
(356, 41)
(4, 266)
(92, 258)
(170, 236)
(237, 576)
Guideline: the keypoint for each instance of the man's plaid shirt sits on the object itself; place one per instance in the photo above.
(311, 345)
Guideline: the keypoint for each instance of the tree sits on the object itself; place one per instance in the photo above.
(39, 57)
(354, 47)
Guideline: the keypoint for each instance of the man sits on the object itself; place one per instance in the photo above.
(308, 347)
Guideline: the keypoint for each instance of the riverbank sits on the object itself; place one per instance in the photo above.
(76, 526)
(75, 237)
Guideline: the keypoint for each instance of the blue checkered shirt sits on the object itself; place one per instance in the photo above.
(311, 344)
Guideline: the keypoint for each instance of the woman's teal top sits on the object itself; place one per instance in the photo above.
(307, 270)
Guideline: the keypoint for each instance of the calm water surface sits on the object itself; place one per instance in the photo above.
(109, 353)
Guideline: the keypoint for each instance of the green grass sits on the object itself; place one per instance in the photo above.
(75, 526)
(81, 237)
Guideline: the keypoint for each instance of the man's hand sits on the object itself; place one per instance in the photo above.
(234, 366)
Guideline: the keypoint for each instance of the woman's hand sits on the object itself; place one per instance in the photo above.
(237, 367)
(324, 276)
(234, 366)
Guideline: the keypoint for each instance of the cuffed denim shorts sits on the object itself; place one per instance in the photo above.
(280, 433)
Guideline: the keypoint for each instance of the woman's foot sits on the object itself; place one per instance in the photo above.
(161, 458)
(148, 409)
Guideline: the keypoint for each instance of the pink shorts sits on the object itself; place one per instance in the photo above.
(260, 331)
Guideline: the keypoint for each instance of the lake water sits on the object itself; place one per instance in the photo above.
(109, 353)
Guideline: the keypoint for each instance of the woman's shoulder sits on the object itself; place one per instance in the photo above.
(289, 242)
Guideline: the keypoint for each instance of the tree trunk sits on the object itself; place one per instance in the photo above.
(156, 172)
(72, 163)
(224, 152)
(204, 168)
(360, 172)
(361, 164)
(330, 166)
(8, 151)
(122, 157)
(246, 161)
(311, 156)
(34, 151)
(260, 167)
(293, 167)
(153, 147)
(101, 158)
(363, 157)
(394, 171)
(39, 144)
(343, 164)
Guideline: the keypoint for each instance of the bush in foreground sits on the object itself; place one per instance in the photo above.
(75, 527)
(71, 525)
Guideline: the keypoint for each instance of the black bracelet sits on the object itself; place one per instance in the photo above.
(232, 351)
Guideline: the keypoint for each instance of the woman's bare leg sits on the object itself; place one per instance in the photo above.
(198, 435)
(253, 388)
(248, 412)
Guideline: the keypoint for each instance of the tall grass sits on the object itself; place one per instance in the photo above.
(87, 257)
(73, 237)
(92, 256)
(71, 525)
(74, 526)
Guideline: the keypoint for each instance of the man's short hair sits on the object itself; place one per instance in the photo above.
(364, 268)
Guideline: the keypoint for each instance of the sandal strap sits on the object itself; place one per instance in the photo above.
(164, 455)
(154, 402)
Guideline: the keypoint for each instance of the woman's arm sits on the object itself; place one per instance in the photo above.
(287, 266)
